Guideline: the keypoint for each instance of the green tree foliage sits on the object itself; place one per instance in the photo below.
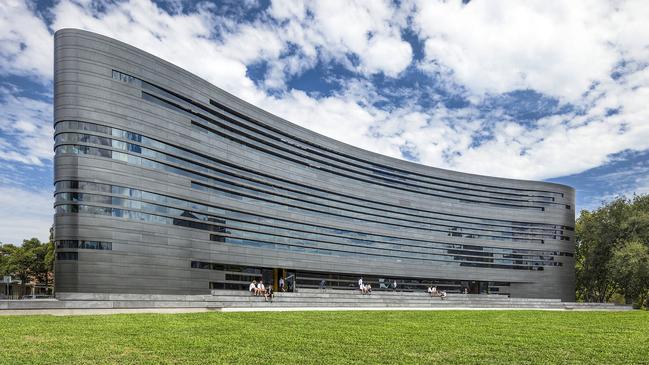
(4, 258)
(629, 268)
(613, 251)
(31, 261)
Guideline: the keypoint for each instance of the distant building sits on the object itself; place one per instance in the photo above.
(168, 184)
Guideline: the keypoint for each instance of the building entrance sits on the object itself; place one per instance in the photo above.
(478, 287)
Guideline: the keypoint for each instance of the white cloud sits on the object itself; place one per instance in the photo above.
(386, 54)
(182, 39)
(560, 50)
(25, 214)
(25, 128)
(25, 44)
(567, 50)
(368, 30)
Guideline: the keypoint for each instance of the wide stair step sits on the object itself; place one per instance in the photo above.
(304, 298)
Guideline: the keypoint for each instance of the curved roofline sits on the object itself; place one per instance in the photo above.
(245, 108)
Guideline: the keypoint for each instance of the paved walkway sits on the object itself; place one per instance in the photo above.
(81, 312)
(76, 312)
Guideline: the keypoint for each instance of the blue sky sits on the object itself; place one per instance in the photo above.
(549, 90)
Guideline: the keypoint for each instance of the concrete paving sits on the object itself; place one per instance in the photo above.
(304, 300)
(88, 312)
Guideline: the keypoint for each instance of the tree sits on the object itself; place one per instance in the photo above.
(49, 260)
(611, 242)
(26, 262)
(598, 233)
(4, 260)
(629, 267)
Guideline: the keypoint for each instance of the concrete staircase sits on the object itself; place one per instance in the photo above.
(316, 298)
(304, 299)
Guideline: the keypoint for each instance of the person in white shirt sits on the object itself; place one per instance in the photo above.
(360, 285)
(261, 288)
(253, 288)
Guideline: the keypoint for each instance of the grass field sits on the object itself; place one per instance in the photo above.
(446, 337)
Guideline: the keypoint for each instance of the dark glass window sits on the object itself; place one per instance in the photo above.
(120, 76)
(217, 238)
(89, 245)
(67, 256)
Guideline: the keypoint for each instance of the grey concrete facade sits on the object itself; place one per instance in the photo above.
(162, 180)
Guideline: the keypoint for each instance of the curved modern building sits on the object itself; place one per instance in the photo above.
(167, 184)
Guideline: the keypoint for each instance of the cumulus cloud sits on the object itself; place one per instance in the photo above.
(364, 36)
(557, 48)
(25, 128)
(25, 42)
(589, 56)
(25, 214)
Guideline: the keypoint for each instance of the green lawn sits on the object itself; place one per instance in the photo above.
(446, 337)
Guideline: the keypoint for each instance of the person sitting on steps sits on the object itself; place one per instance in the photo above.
(253, 288)
(261, 289)
(269, 294)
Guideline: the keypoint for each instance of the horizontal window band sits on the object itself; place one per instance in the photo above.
(390, 183)
(67, 256)
(284, 184)
(157, 100)
(254, 200)
(149, 163)
(65, 137)
(135, 215)
(235, 232)
(188, 107)
(122, 213)
(229, 118)
(224, 214)
(312, 250)
(211, 213)
(425, 191)
(84, 244)
(458, 231)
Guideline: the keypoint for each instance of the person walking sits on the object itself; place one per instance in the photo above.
(360, 285)
(281, 284)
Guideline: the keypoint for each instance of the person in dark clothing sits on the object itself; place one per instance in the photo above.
(322, 284)
(269, 294)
